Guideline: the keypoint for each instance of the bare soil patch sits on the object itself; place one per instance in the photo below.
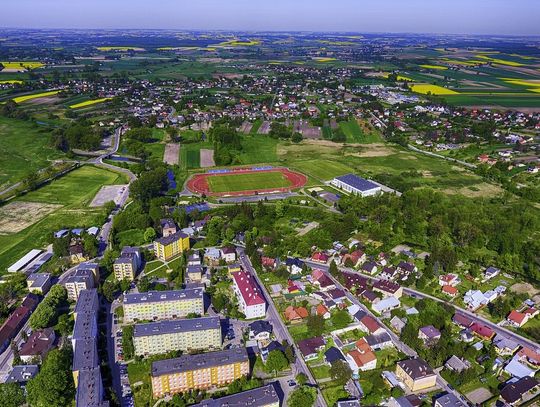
(172, 153)
(479, 190)
(17, 216)
(524, 288)
(374, 150)
(207, 158)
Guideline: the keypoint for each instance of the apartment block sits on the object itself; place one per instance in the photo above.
(128, 264)
(170, 246)
(158, 305)
(82, 279)
(201, 371)
(184, 335)
(250, 300)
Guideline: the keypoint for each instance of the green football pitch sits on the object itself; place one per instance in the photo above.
(252, 181)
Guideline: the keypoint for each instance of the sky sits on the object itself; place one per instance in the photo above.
(504, 17)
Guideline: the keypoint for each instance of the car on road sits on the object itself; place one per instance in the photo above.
(291, 383)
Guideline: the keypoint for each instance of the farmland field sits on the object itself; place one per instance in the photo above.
(433, 89)
(25, 98)
(89, 103)
(70, 194)
(248, 182)
(24, 149)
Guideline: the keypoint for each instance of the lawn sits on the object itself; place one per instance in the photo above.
(248, 182)
(72, 193)
(258, 149)
(323, 170)
(25, 148)
(131, 237)
(333, 393)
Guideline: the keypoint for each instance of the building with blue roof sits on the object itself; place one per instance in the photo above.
(356, 185)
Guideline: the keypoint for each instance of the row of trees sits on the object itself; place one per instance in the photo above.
(47, 312)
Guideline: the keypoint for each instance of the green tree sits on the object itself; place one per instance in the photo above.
(340, 372)
(127, 342)
(301, 379)
(53, 386)
(316, 325)
(341, 319)
(276, 361)
(303, 396)
(11, 395)
(47, 311)
(149, 234)
(296, 137)
(65, 325)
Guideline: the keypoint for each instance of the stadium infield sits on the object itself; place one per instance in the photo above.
(246, 181)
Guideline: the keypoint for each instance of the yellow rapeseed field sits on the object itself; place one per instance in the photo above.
(500, 61)
(120, 48)
(12, 82)
(89, 103)
(438, 67)
(21, 99)
(21, 64)
(433, 89)
(324, 59)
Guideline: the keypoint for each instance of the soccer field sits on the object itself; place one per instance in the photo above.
(252, 181)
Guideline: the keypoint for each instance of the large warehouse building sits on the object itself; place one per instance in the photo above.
(356, 185)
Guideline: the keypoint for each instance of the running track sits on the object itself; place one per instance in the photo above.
(199, 182)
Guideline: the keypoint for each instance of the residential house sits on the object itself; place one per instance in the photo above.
(194, 273)
(37, 346)
(370, 325)
(457, 364)
(295, 314)
(388, 273)
(228, 254)
(168, 227)
(381, 340)
(320, 257)
(362, 360)
(21, 374)
(429, 335)
(268, 262)
(332, 355)
(321, 279)
(353, 259)
(517, 369)
(462, 320)
(448, 400)
(354, 282)
(491, 272)
(449, 279)
(397, 324)
(416, 374)
(530, 356)
(212, 256)
(310, 348)
(39, 283)
(260, 330)
(406, 269)
(450, 290)
(322, 311)
(518, 319)
(520, 391)
(369, 267)
(386, 305)
(482, 331)
(388, 288)
(505, 346)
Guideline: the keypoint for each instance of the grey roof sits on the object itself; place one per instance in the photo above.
(85, 354)
(186, 363)
(357, 182)
(81, 276)
(449, 400)
(260, 326)
(180, 325)
(348, 403)
(172, 238)
(90, 388)
(22, 373)
(85, 325)
(374, 340)
(88, 266)
(87, 301)
(457, 364)
(39, 279)
(159, 296)
(261, 396)
(194, 269)
(416, 368)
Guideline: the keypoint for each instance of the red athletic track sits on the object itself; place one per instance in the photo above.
(199, 182)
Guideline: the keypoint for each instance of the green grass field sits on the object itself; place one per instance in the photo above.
(24, 149)
(72, 192)
(247, 182)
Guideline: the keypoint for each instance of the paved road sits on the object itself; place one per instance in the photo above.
(464, 163)
(280, 330)
(395, 339)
